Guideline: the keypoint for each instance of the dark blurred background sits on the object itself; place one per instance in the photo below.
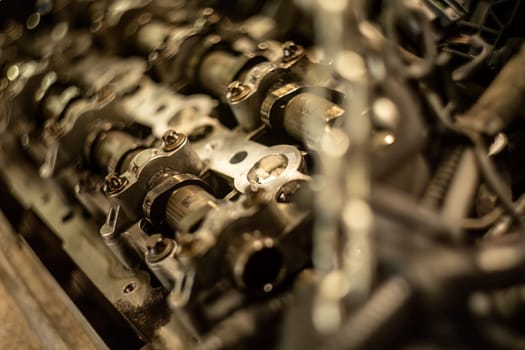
(16, 9)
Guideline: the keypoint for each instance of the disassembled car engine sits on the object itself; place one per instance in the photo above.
(251, 174)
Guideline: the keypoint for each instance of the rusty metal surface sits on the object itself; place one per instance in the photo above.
(35, 313)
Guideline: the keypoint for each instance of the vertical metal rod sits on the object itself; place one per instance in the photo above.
(344, 184)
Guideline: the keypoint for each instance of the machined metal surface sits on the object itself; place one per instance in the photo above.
(270, 174)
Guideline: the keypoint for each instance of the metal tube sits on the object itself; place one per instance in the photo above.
(307, 115)
(503, 101)
(109, 148)
(217, 71)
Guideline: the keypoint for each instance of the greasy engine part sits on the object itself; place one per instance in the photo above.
(262, 174)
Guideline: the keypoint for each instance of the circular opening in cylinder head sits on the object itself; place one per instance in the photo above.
(263, 269)
(267, 169)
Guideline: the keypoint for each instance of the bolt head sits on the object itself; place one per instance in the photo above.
(290, 51)
(172, 140)
(158, 247)
(113, 183)
(237, 91)
(289, 48)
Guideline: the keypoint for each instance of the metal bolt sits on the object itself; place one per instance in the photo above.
(172, 140)
(237, 91)
(113, 183)
(206, 17)
(263, 46)
(290, 51)
(207, 12)
(158, 247)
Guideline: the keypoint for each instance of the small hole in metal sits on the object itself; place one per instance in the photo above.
(238, 157)
(68, 216)
(129, 288)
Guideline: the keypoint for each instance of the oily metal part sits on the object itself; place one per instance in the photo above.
(262, 174)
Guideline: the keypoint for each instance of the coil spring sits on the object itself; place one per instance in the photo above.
(439, 184)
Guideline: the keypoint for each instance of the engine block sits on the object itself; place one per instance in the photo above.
(268, 174)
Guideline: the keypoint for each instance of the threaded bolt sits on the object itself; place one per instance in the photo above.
(237, 91)
(114, 183)
(172, 140)
(290, 51)
(158, 247)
